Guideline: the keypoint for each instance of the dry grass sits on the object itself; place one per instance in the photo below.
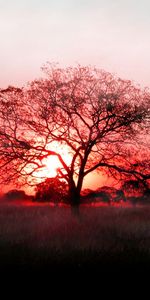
(40, 235)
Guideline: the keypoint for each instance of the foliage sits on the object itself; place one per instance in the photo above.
(133, 187)
(15, 194)
(105, 194)
(51, 190)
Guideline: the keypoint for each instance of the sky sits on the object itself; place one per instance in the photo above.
(113, 35)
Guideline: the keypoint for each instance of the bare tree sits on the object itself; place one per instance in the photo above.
(101, 120)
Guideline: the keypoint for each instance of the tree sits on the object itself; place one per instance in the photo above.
(114, 194)
(101, 120)
(100, 195)
(15, 195)
(51, 190)
(134, 188)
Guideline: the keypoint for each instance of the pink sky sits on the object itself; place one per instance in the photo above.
(113, 35)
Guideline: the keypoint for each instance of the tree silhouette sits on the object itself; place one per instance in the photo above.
(101, 120)
(134, 187)
(115, 195)
(15, 195)
(51, 190)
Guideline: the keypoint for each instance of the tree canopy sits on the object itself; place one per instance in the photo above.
(101, 119)
(52, 190)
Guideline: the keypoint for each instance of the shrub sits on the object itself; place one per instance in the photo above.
(51, 190)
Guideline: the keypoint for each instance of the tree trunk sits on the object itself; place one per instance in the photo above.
(74, 201)
(74, 195)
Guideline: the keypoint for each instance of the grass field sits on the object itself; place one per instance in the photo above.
(103, 238)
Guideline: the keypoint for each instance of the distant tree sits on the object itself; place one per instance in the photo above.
(51, 190)
(96, 196)
(133, 187)
(86, 197)
(146, 194)
(120, 196)
(103, 196)
(114, 194)
(101, 119)
(15, 194)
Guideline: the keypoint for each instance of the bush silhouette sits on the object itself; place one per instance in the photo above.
(112, 193)
(133, 188)
(15, 195)
(51, 190)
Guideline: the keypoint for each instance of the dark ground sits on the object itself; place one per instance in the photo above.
(45, 242)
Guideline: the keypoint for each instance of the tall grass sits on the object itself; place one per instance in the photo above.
(40, 235)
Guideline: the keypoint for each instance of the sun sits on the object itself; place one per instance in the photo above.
(52, 163)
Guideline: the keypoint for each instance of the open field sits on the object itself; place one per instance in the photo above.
(103, 238)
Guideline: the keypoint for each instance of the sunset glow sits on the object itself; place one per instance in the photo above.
(52, 163)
